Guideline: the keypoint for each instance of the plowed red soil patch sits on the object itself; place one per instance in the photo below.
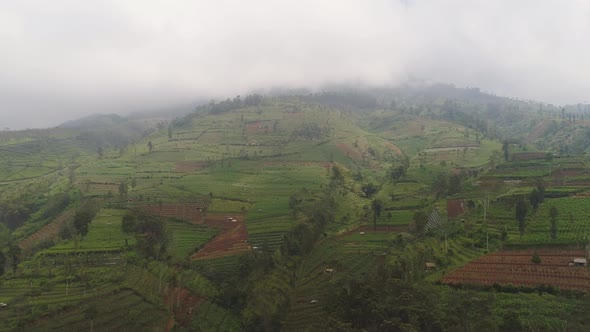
(183, 305)
(231, 241)
(528, 156)
(189, 166)
(47, 232)
(514, 267)
(189, 212)
(570, 172)
(324, 164)
(259, 127)
(349, 151)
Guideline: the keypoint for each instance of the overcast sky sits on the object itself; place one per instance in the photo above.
(63, 59)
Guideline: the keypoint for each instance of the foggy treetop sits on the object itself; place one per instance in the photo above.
(70, 58)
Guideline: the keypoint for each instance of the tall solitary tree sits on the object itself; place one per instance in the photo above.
(14, 252)
(123, 188)
(150, 146)
(420, 220)
(377, 206)
(82, 220)
(553, 213)
(2, 262)
(520, 213)
(535, 199)
(506, 149)
(129, 222)
(541, 191)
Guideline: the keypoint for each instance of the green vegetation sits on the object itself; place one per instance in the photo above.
(334, 211)
(185, 238)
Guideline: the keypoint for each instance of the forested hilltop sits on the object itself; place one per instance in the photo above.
(415, 208)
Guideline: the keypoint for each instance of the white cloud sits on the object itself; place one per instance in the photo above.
(70, 58)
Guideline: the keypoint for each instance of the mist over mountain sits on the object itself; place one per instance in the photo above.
(68, 59)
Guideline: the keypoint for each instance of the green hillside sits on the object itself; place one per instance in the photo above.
(292, 212)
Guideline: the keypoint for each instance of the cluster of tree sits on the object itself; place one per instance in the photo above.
(253, 100)
(537, 196)
(420, 221)
(259, 293)
(345, 99)
(102, 131)
(382, 304)
(80, 224)
(311, 130)
(369, 189)
(19, 205)
(396, 172)
(55, 204)
(83, 217)
(11, 255)
(232, 104)
(447, 185)
(149, 230)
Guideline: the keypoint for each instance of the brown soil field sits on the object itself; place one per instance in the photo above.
(232, 240)
(189, 166)
(324, 164)
(190, 212)
(259, 127)
(183, 305)
(514, 267)
(349, 151)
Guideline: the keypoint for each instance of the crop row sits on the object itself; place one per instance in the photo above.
(516, 270)
(525, 260)
(507, 279)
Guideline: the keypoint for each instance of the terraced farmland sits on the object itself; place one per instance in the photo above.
(189, 212)
(117, 311)
(104, 235)
(514, 267)
(185, 238)
(232, 239)
(334, 260)
(572, 223)
(49, 232)
(57, 303)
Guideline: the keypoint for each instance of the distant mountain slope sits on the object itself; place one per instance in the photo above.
(107, 130)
